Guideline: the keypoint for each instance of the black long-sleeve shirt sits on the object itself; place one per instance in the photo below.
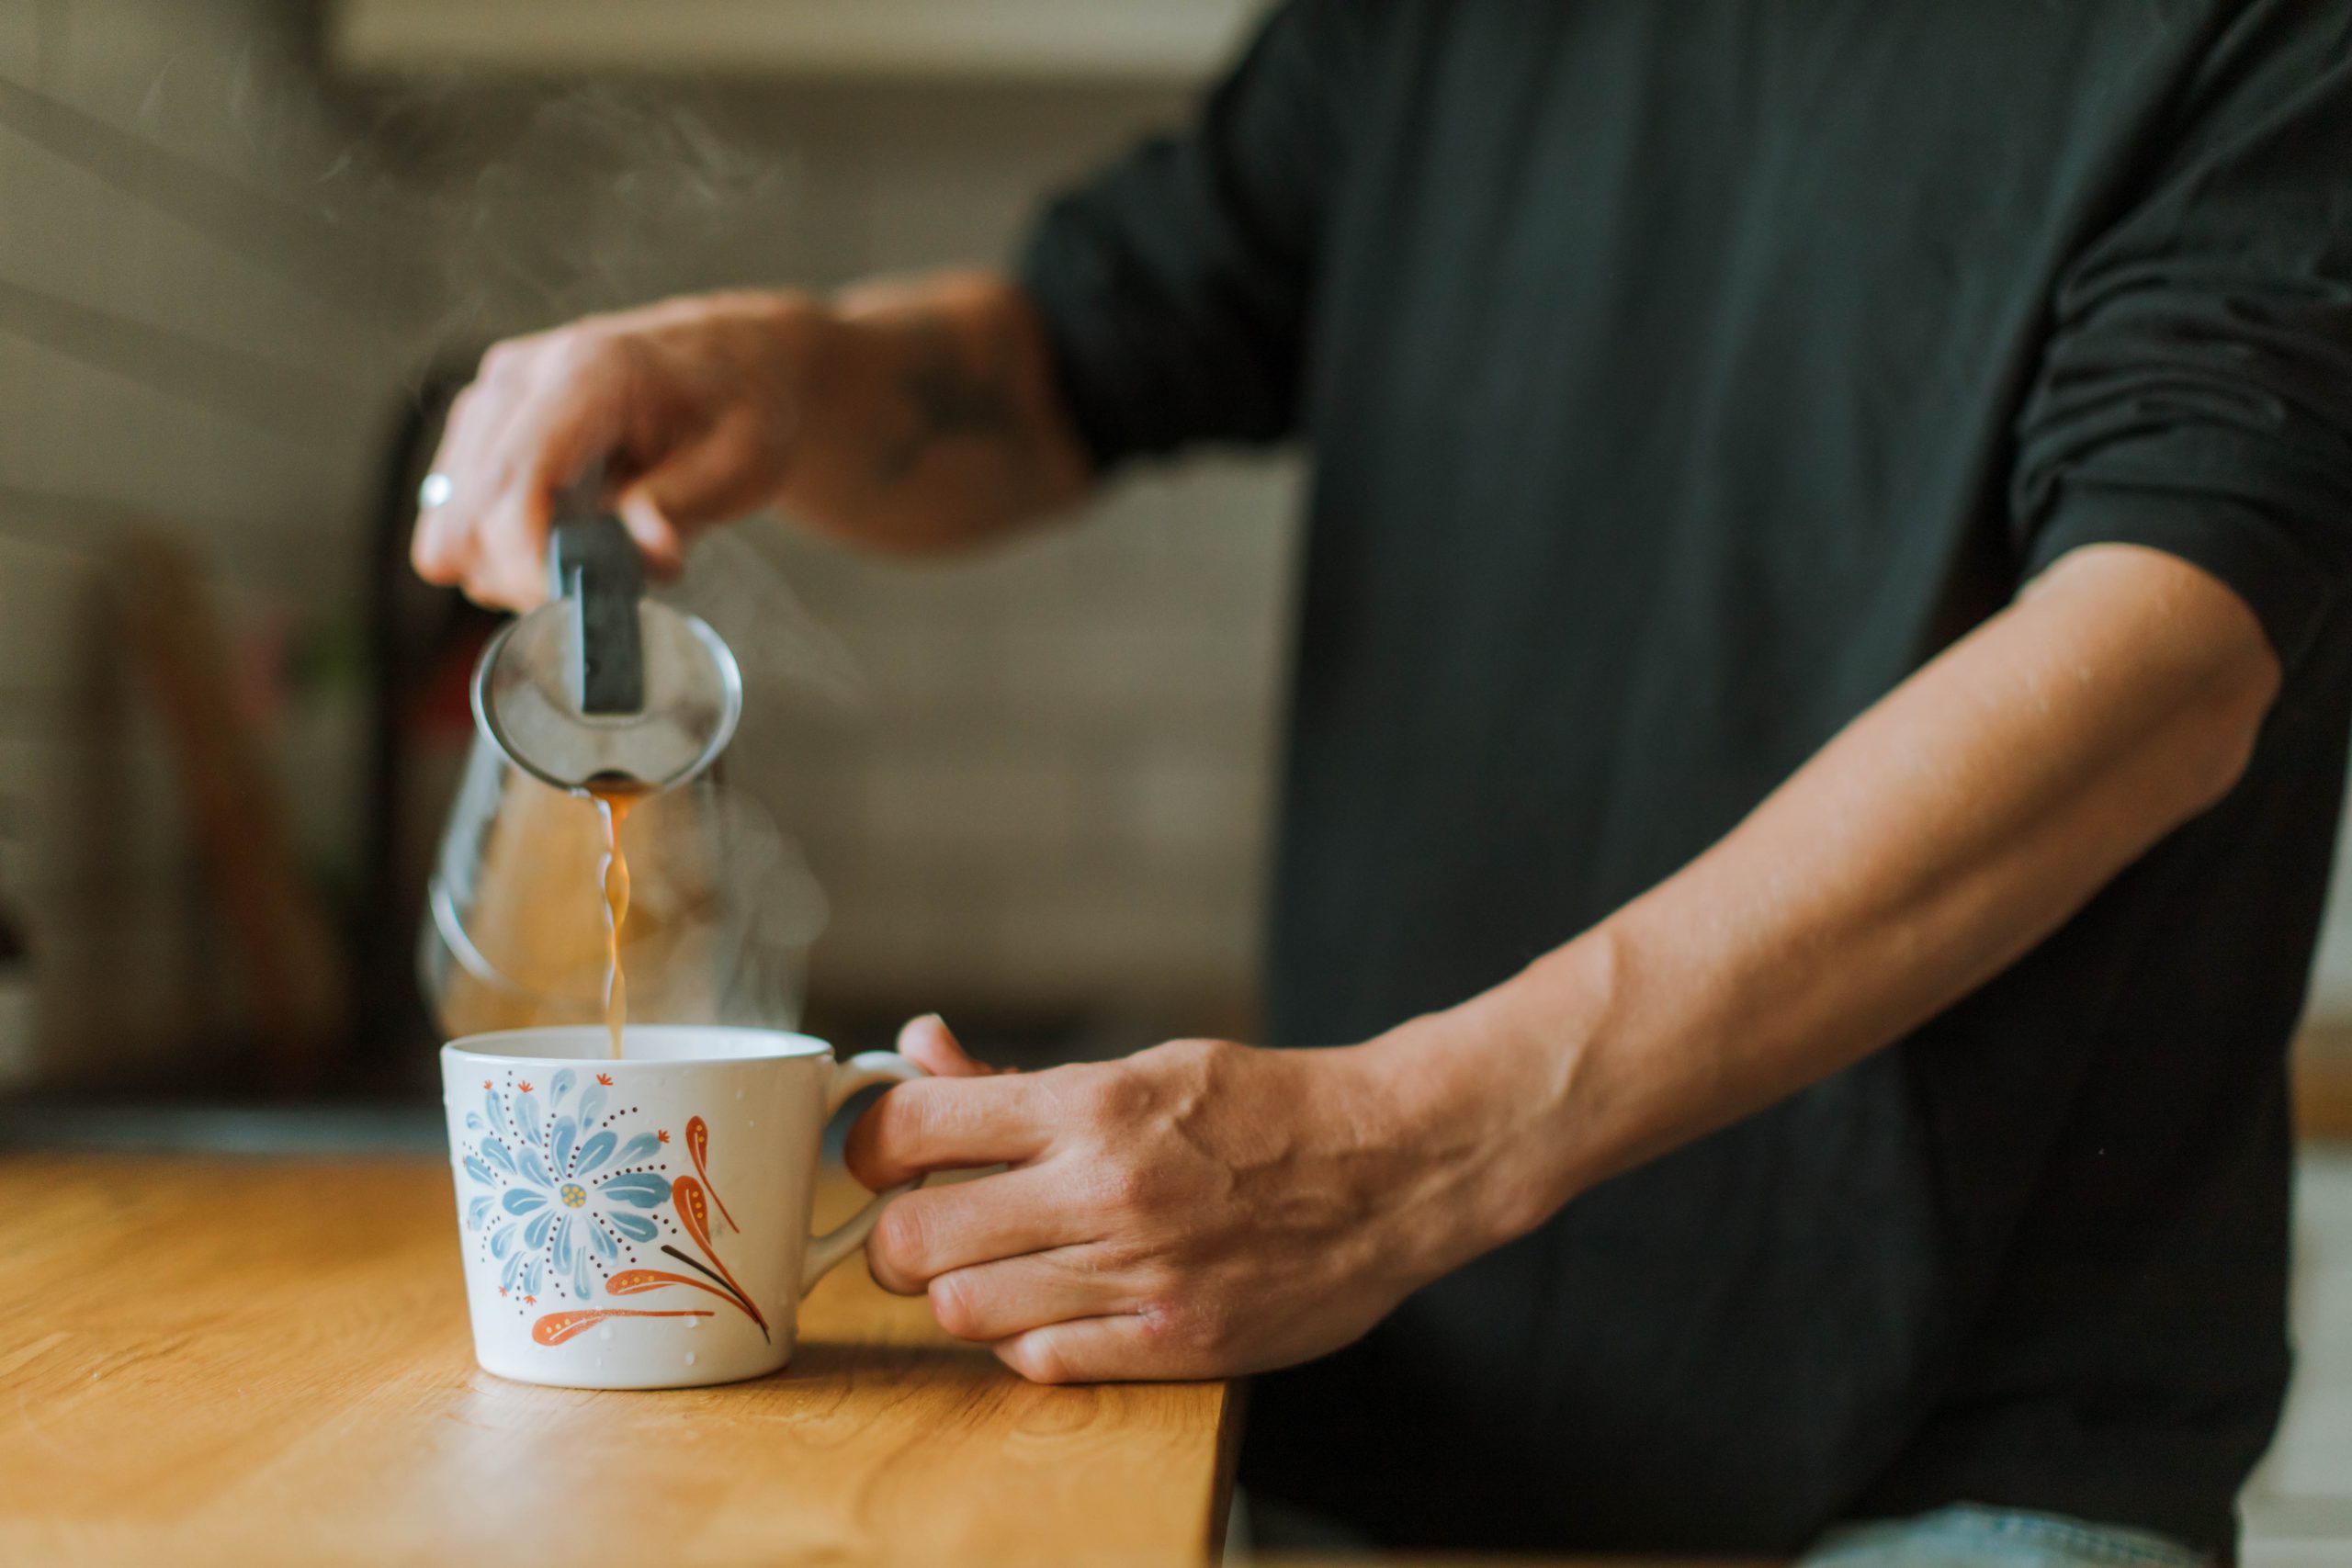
(1678, 378)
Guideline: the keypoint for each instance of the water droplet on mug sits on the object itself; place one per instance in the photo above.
(605, 1332)
(694, 1323)
(690, 1358)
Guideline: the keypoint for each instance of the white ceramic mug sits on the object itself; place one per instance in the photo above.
(642, 1222)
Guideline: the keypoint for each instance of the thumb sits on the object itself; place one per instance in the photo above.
(656, 535)
(725, 473)
(928, 1041)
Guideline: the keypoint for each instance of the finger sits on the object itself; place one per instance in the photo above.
(946, 1124)
(656, 535)
(928, 1041)
(1115, 1348)
(562, 430)
(433, 548)
(473, 436)
(510, 576)
(719, 474)
(443, 541)
(999, 1301)
(508, 565)
(940, 1229)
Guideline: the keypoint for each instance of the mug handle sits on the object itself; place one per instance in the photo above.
(861, 1071)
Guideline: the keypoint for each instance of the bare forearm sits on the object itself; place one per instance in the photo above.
(914, 416)
(1946, 831)
(938, 423)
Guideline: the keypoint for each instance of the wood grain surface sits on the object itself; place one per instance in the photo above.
(211, 1361)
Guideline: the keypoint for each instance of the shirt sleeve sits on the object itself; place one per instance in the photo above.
(2196, 393)
(1174, 288)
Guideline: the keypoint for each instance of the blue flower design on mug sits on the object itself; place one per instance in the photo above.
(570, 1191)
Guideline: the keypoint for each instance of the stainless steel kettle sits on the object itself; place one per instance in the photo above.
(603, 688)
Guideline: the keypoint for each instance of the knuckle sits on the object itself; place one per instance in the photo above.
(574, 350)
(899, 1239)
(890, 1129)
(1160, 1320)
(1196, 1064)
(1214, 1331)
(1201, 1333)
(503, 359)
(1194, 1053)
(1163, 1277)
(905, 1121)
(517, 576)
(1034, 1357)
(429, 546)
(1115, 1099)
(1115, 1261)
(467, 405)
(1126, 1187)
(953, 1303)
(861, 1151)
(916, 1126)
(795, 308)
(476, 583)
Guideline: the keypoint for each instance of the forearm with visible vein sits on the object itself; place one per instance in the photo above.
(1950, 828)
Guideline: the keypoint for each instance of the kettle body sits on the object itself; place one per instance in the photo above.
(515, 932)
(605, 690)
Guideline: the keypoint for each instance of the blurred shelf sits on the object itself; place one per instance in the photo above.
(1146, 41)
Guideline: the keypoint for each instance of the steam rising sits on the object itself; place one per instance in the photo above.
(786, 654)
(586, 199)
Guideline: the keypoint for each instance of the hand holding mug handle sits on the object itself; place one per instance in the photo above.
(862, 1071)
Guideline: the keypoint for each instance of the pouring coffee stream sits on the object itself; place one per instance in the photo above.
(612, 804)
(606, 694)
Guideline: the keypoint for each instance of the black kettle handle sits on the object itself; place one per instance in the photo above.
(592, 563)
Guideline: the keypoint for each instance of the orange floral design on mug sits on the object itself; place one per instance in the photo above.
(569, 1204)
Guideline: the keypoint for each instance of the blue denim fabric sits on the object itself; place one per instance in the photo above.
(1968, 1535)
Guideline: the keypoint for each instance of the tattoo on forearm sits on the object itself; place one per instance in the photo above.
(948, 397)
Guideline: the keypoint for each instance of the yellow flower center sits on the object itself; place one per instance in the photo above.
(573, 1194)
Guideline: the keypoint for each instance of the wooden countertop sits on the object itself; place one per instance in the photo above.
(256, 1362)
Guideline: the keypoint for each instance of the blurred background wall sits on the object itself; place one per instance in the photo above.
(168, 362)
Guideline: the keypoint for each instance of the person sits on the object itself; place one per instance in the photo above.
(1818, 727)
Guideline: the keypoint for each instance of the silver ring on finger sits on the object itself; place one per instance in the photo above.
(434, 491)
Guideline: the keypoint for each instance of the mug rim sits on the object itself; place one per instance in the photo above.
(784, 1045)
